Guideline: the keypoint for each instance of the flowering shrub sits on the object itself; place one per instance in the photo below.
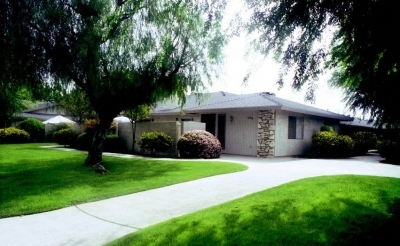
(199, 144)
(330, 144)
(13, 135)
(155, 142)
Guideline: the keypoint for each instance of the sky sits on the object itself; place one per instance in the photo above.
(264, 78)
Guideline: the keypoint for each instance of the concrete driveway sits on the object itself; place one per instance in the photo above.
(100, 222)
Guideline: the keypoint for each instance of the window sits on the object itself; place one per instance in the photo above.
(296, 127)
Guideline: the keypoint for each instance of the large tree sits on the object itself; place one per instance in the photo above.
(124, 53)
(364, 52)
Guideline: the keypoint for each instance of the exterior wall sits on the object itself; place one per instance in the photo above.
(173, 129)
(125, 132)
(266, 133)
(241, 133)
(289, 147)
(191, 125)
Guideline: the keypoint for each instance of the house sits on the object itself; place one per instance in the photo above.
(42, 111)
(258, 124)
(360, 125)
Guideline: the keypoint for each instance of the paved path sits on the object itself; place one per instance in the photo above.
(100, 222)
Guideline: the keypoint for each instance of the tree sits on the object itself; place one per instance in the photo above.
(75, 104)
(12, 101)
(122, 54)
(364, 53)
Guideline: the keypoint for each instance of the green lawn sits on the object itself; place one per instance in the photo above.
(33, 179)
(331, 210)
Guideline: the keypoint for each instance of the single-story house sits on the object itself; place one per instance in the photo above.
(42, 111)
(258, 124)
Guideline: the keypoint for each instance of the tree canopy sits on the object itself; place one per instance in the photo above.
(120, 53)
(364, 51)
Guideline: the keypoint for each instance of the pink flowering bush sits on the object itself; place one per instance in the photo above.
(199, 144)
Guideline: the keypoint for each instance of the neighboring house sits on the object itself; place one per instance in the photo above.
(359, 125)
(42, 111)
(258, 124)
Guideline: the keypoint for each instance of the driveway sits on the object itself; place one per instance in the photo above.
(100, 222)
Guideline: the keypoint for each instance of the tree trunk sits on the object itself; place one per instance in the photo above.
(95, 155)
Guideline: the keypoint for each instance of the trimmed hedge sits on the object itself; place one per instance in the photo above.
(13, 135)
(332, 145)
(199, 144)
(34, 127)
(65, 137)
(326, 128)
(154, 143)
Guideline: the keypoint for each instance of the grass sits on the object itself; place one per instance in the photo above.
(33, 179)
(330, 210)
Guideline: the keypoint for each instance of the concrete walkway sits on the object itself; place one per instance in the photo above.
(100, 222)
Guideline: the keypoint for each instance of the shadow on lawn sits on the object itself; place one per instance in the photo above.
(51, 179)
(341, 222)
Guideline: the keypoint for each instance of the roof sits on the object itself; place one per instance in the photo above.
(362, 123)
(228, 101)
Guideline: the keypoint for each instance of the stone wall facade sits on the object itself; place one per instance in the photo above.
(266, 133)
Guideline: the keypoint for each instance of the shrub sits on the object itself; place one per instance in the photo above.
(199, 144)
(65, 137)
(13, 135)
(84, 141)
(113, 144)
(34, 127)
(56, 128)
(330, 144)
(364, 141)
(389, 149)
(326, 128)
(155, 142)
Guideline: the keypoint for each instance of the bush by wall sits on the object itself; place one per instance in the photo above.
(112, 143)
(65, 137)
(57, 127)
(199, 144)
(34, 127)
(389, 149)
(155, 143)
(364, 141)
(326, 128)
(13, 135)
(332, 145)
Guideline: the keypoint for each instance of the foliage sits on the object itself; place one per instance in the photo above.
(34, 127)
(12, 101)
(35, 179)
(363, 53)
(330, 144)
(75, 103)
(55, 128)
(326, 128)
(65, 137)
(155, 143)
(199, 144)
(13, 135)
(364, 141)
(389, 149)
(112, 50)
(138, 113)
(113, 144)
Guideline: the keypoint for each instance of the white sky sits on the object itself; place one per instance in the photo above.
(265, 76)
